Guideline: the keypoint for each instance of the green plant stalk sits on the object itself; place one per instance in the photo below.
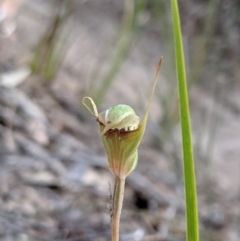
(118, 195)
(202, 43)
(188, 160)
(48, 55)
(132, 10)
(122, 48)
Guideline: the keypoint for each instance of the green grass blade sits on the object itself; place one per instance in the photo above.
(188, 161)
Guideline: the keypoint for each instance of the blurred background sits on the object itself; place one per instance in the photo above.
(54, 180)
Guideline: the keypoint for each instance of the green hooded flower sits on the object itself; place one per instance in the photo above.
(121, 133)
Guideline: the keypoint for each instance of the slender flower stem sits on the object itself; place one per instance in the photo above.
(121, 146)
(117, 206)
